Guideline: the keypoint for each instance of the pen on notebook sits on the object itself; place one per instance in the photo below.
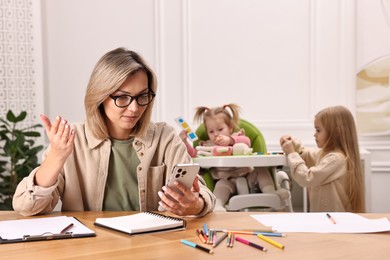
(271, 241)
(66, 228)
(331, 218)
(246, 242)
(194, 245)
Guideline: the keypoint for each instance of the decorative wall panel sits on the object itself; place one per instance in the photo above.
(17, 63)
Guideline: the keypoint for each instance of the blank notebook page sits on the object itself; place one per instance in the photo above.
(140, 222)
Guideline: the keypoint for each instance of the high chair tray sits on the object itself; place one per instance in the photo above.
(241, 160)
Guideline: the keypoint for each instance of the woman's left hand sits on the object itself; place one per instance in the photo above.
(188, 203)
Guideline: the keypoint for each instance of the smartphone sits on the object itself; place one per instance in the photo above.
(185, 174)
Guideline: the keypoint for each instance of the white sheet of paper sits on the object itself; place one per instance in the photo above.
(318, 222)
(14, 229)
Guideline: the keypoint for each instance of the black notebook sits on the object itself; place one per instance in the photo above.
(142, 223)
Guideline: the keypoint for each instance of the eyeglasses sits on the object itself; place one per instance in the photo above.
(125, 100)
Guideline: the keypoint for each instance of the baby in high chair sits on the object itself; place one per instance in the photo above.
(225, 137)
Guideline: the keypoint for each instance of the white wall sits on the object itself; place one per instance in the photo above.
(77, 33)
(274, 58)
(280, 60)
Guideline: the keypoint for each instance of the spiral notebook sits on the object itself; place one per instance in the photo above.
(142, 223)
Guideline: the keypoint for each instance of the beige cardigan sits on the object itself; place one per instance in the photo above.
(80, 186)
(325, 178)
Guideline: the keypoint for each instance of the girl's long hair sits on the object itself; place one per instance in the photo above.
(340, 127)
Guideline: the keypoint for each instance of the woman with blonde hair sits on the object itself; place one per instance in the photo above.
(118, 159)
(333, 172)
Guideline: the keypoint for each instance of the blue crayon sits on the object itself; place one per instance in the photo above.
(205, 229)
(191, 244)
(271, 234)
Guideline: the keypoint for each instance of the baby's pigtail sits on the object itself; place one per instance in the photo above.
(199, 114)
(235, 111)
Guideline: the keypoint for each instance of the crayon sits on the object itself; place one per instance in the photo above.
(194, 245)
(220, 239)
(246, 242)
(206, 229)
(201, 237)
(271, 241)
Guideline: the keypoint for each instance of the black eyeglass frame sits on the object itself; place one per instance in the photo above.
(151, 93)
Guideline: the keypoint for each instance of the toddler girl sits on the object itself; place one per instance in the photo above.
(221, 124)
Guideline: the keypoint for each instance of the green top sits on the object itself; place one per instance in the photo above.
(121, 191)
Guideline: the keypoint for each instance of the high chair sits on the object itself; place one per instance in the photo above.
(244, 200)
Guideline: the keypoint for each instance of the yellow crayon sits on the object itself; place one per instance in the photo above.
(271, 241)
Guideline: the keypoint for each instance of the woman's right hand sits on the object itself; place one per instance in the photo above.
(60, 135)
(61, 138)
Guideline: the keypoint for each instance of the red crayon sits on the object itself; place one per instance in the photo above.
(246, 242)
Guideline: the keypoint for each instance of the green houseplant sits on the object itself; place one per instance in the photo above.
(18, 154)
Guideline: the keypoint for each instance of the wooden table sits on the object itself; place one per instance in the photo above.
(114, 245)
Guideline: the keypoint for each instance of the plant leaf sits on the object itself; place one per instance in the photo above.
(32, 134)
(21, 116)
(11, 116)
(17, 153)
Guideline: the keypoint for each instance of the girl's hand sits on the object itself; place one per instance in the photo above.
(183, 135)
(284, 139)
(187, 203)
(223, 140)
(288, 147)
